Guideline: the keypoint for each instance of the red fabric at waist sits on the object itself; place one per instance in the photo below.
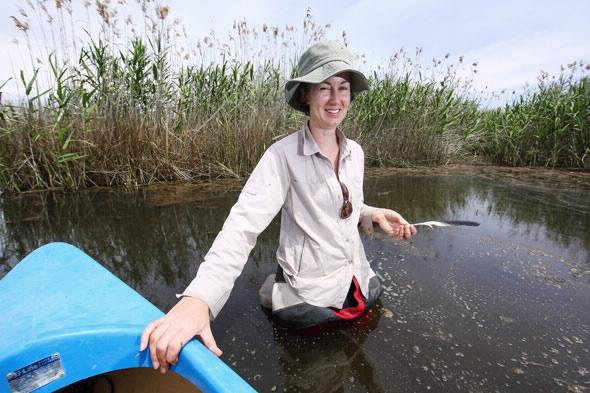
(356, 311)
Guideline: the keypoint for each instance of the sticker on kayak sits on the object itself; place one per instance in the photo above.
(36, 375)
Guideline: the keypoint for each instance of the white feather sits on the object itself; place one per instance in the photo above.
(431, 224)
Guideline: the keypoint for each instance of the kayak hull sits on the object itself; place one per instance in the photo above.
(67, 318)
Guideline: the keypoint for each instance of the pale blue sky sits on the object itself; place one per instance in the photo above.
(510, 40)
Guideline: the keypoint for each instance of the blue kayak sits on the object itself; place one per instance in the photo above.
(64, 318)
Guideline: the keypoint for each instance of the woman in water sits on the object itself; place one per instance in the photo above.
(314, 177)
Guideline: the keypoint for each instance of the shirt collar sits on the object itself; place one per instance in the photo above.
(343, 142)
(310, 147)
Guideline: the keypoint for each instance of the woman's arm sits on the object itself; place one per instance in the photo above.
(390, 221)
(260, 200)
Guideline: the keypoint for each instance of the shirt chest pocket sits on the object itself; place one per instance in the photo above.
(312, 170)
(313, 196)
(310, 180)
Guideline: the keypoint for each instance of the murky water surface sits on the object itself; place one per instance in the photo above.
(500, 307)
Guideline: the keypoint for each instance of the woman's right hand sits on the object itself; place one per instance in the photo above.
(166, 336)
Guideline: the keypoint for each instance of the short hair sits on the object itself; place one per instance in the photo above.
(302, 91)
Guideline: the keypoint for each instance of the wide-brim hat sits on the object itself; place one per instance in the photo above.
(320, 62)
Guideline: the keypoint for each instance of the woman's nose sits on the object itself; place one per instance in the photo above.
(334, 94)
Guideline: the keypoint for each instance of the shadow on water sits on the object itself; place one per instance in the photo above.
(500, 307)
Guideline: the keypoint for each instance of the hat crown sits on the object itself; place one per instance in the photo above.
(322, 53)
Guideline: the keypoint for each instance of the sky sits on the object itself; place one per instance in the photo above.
(510, 41)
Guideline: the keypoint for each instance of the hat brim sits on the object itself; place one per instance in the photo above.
(358, 81)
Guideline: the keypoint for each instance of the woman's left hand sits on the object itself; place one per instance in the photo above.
(393, 223)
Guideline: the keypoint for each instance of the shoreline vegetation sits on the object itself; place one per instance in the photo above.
(108, 111)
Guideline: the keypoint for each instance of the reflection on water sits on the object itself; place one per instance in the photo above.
(499, 307)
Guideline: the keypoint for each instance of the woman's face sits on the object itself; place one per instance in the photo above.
(329, 101)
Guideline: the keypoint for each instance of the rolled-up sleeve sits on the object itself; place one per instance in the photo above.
(259, 202)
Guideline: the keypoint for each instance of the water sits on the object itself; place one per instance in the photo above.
(500, 307)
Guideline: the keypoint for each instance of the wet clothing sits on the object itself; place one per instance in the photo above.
(303, 315)
(319, 252)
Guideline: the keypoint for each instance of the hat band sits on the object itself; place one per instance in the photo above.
(323, 63)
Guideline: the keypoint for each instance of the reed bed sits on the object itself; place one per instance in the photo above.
(104, 112)
(549, 127)
(402, 123)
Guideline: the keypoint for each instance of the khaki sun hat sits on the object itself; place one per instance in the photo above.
(320, 62)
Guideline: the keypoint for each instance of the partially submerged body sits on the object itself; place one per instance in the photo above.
(314, 177)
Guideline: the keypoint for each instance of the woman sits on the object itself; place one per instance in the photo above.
(315, 178)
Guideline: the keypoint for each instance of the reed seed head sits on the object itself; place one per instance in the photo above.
(162, 12)
(22, 26)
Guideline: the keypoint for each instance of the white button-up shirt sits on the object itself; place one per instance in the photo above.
(318, 251)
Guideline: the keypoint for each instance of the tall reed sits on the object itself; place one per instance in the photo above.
(549, 127)
(402, 122)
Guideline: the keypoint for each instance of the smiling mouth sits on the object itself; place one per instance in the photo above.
(333, 111)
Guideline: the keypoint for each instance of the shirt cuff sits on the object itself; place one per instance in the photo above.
(367, 212)
(199, 291)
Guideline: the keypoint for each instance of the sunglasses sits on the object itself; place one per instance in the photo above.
(346, 209)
